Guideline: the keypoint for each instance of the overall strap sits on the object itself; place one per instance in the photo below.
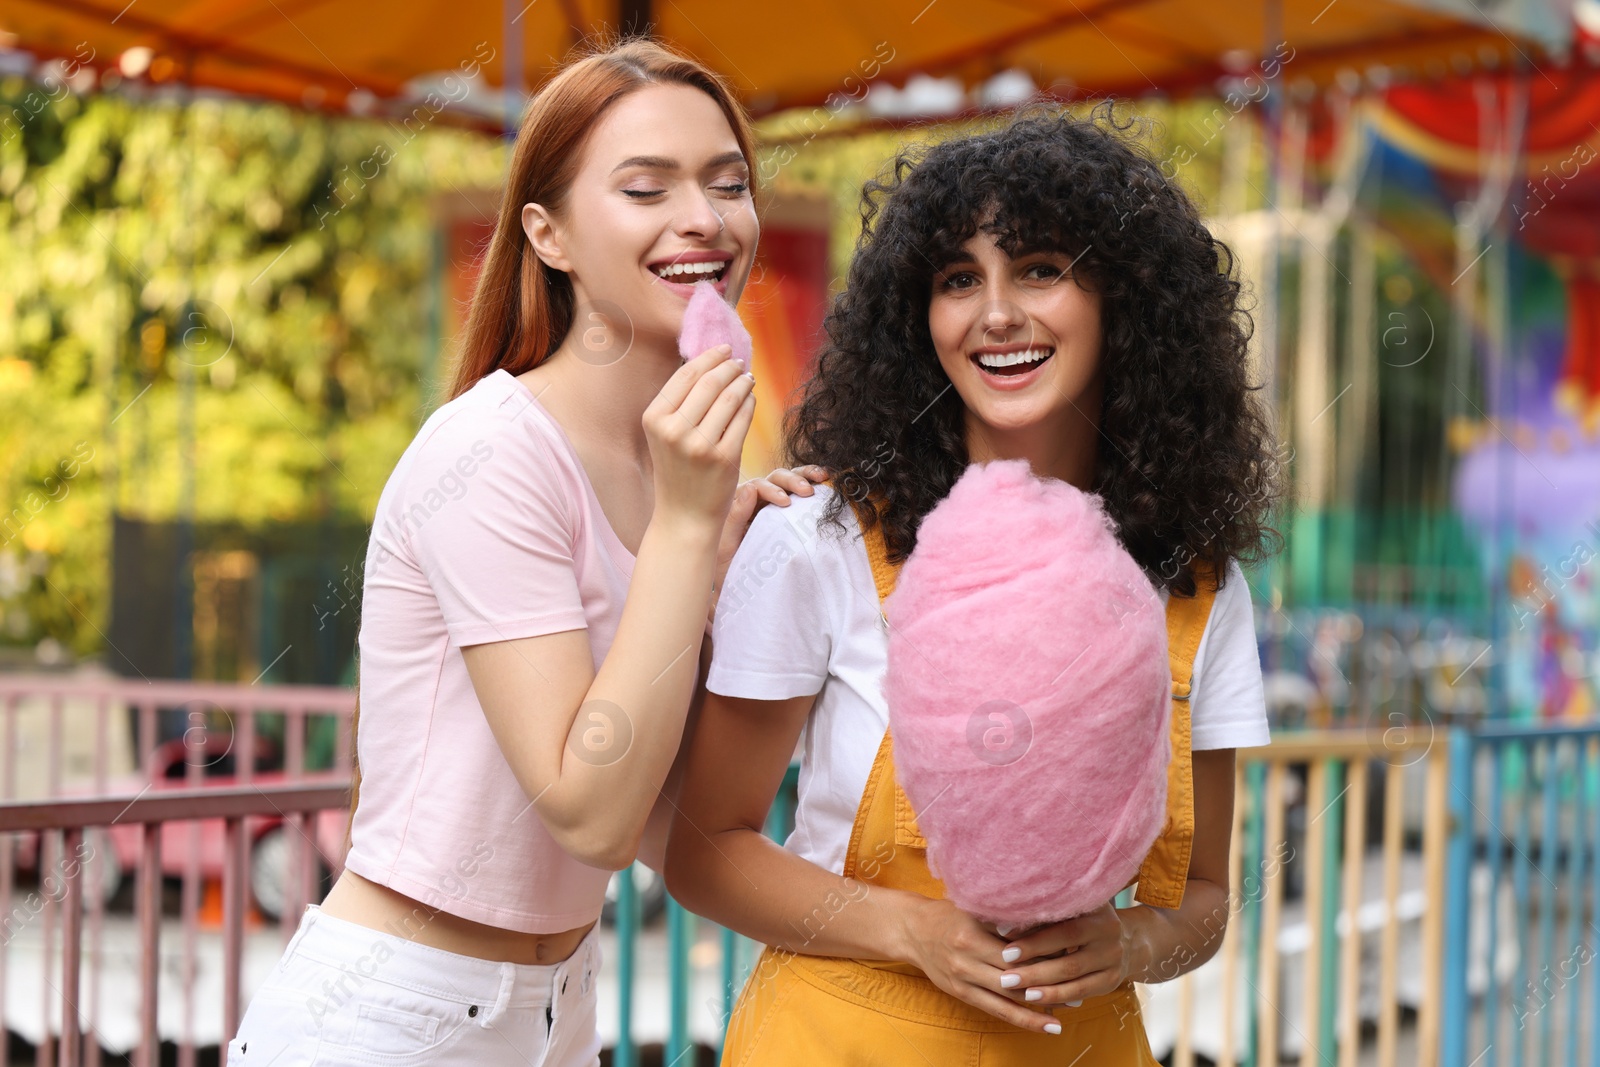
(1164, 874)
(884, 573)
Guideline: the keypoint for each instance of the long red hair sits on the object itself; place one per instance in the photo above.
(521, 309)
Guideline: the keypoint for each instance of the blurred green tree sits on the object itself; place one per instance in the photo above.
(280, 261)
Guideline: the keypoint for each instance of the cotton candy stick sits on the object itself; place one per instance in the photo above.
(708, 321)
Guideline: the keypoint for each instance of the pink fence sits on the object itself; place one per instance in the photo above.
(91, 794)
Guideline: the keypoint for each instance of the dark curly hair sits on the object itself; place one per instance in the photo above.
(1187, 466)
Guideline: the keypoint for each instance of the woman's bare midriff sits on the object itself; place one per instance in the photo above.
(356, 900)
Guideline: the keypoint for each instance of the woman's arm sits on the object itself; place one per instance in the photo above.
(592, 748)
(1109, 945)
(1168, 942)
(653, 845)
(721, 865)
(750, 497)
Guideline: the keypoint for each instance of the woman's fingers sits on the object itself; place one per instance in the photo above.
(1069, 996)
(793, 481)
(1010, 1011)
(731, 444)
(772, 494)
(725, 407)
(702, 392)
(1044, 941)
(683, 380)
(708, 407)
(1071, 993)
(1043, 972)
(777, 487)
(696, 427)
(1066, 978)
(743, 509)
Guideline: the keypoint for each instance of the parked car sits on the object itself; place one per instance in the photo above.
(115, 849)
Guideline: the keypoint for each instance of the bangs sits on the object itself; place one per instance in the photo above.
(1026, 209)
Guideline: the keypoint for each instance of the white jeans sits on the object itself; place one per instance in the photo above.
(344, 994)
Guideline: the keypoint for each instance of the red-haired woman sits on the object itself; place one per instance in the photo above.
(537, 587)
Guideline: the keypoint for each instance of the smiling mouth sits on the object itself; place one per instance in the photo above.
(1011, 364)
(689, 273)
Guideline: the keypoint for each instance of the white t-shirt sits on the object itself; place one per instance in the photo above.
(798, 615)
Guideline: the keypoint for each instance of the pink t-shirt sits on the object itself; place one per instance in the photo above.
(488, 530)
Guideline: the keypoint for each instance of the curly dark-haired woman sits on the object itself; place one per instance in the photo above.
(1041, 292)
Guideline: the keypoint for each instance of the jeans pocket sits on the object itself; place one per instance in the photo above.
(392, 1025)
(393, 1031)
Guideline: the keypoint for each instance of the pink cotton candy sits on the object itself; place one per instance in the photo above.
(709, 321)
(1029, 697)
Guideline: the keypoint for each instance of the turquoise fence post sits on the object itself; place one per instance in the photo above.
(1575, 868)
(626, 1054)
(1254, 854)
(1494, 844)
(1594, 904)
(1548, 845)
(1522, 883)
(680, 935)
(730, 970)
(1453, 1016)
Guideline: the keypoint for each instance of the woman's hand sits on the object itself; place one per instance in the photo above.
(696, 428)
(962, 957)
(747, 500)
(1064, 962)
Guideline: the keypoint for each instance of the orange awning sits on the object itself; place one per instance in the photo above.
(332, 54)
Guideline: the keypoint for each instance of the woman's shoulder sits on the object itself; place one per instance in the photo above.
(1228, 707)
(1230, 617)
(780, 610)
(791, 553)
(482, 460)
(496, 404)
(803, 525)
(494, 420)
(1234, 589)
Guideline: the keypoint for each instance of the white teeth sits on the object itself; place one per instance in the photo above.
(701, 270)
(1011, 359)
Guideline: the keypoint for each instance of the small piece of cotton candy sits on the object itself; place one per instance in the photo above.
(708, 321)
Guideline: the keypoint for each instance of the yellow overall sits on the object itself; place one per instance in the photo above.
(821, 1011)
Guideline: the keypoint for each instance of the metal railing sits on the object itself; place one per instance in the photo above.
(1370, 873)
(65, 822)
(1337, 866)
(1320, 862)
(71, 746)
(1526, 834)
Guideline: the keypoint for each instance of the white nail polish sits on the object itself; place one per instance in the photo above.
(1052, 1028)
(1033, 994)
(1073, 1003)
(1011, 955)
(1010, 981)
